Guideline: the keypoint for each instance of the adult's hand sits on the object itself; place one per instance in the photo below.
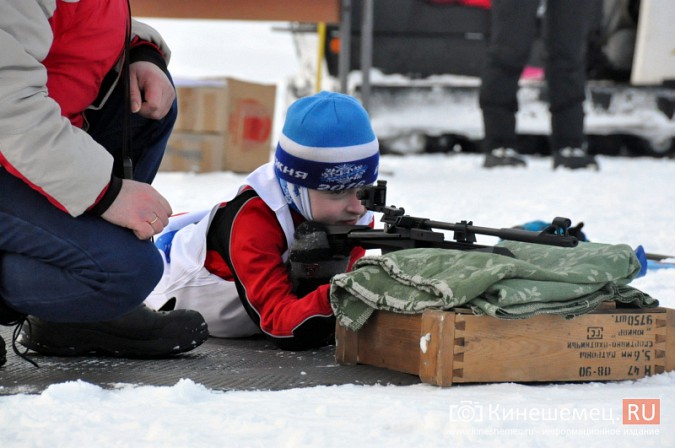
(139, 207)
(152, 93)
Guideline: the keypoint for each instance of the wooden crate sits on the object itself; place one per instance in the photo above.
(458, 347)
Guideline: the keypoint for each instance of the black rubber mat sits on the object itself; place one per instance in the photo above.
(219, 364)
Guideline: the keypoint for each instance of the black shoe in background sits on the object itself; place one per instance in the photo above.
(143, 333)
(503, 157)
(574, 159)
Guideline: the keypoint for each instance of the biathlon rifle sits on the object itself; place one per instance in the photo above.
(403, 231)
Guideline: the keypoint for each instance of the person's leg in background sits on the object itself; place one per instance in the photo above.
(513, 30)
(566, 28)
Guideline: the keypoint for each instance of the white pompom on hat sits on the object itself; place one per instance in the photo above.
(327, 143)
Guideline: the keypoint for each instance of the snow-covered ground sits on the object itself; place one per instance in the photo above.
(628, 201)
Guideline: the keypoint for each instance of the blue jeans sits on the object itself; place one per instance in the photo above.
(66, 269)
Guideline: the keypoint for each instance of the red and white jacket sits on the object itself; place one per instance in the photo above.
(262, 231)
(54, 57)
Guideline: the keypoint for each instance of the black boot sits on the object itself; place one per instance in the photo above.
(503, 157)
(574, 159)
(143, 333)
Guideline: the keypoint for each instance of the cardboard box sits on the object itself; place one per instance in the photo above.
(202, 106)
(221, 114)
(197, 153)
(249, 125)
(444, 347)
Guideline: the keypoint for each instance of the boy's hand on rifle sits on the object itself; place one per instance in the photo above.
(312, 261)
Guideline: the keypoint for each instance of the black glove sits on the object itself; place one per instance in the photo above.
(312, 262)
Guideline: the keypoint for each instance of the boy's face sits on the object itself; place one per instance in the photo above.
(336, 207)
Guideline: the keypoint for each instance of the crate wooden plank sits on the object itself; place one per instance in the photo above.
(614, 346)
(346, 346)
(436, 364)
(457, 347)
(386, 340)
(670, 340)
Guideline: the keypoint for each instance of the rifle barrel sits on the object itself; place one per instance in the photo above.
(526, 236)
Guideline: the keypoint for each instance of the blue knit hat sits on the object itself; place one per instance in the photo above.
(327, 143)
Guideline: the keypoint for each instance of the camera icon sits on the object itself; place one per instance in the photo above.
(466, 411)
